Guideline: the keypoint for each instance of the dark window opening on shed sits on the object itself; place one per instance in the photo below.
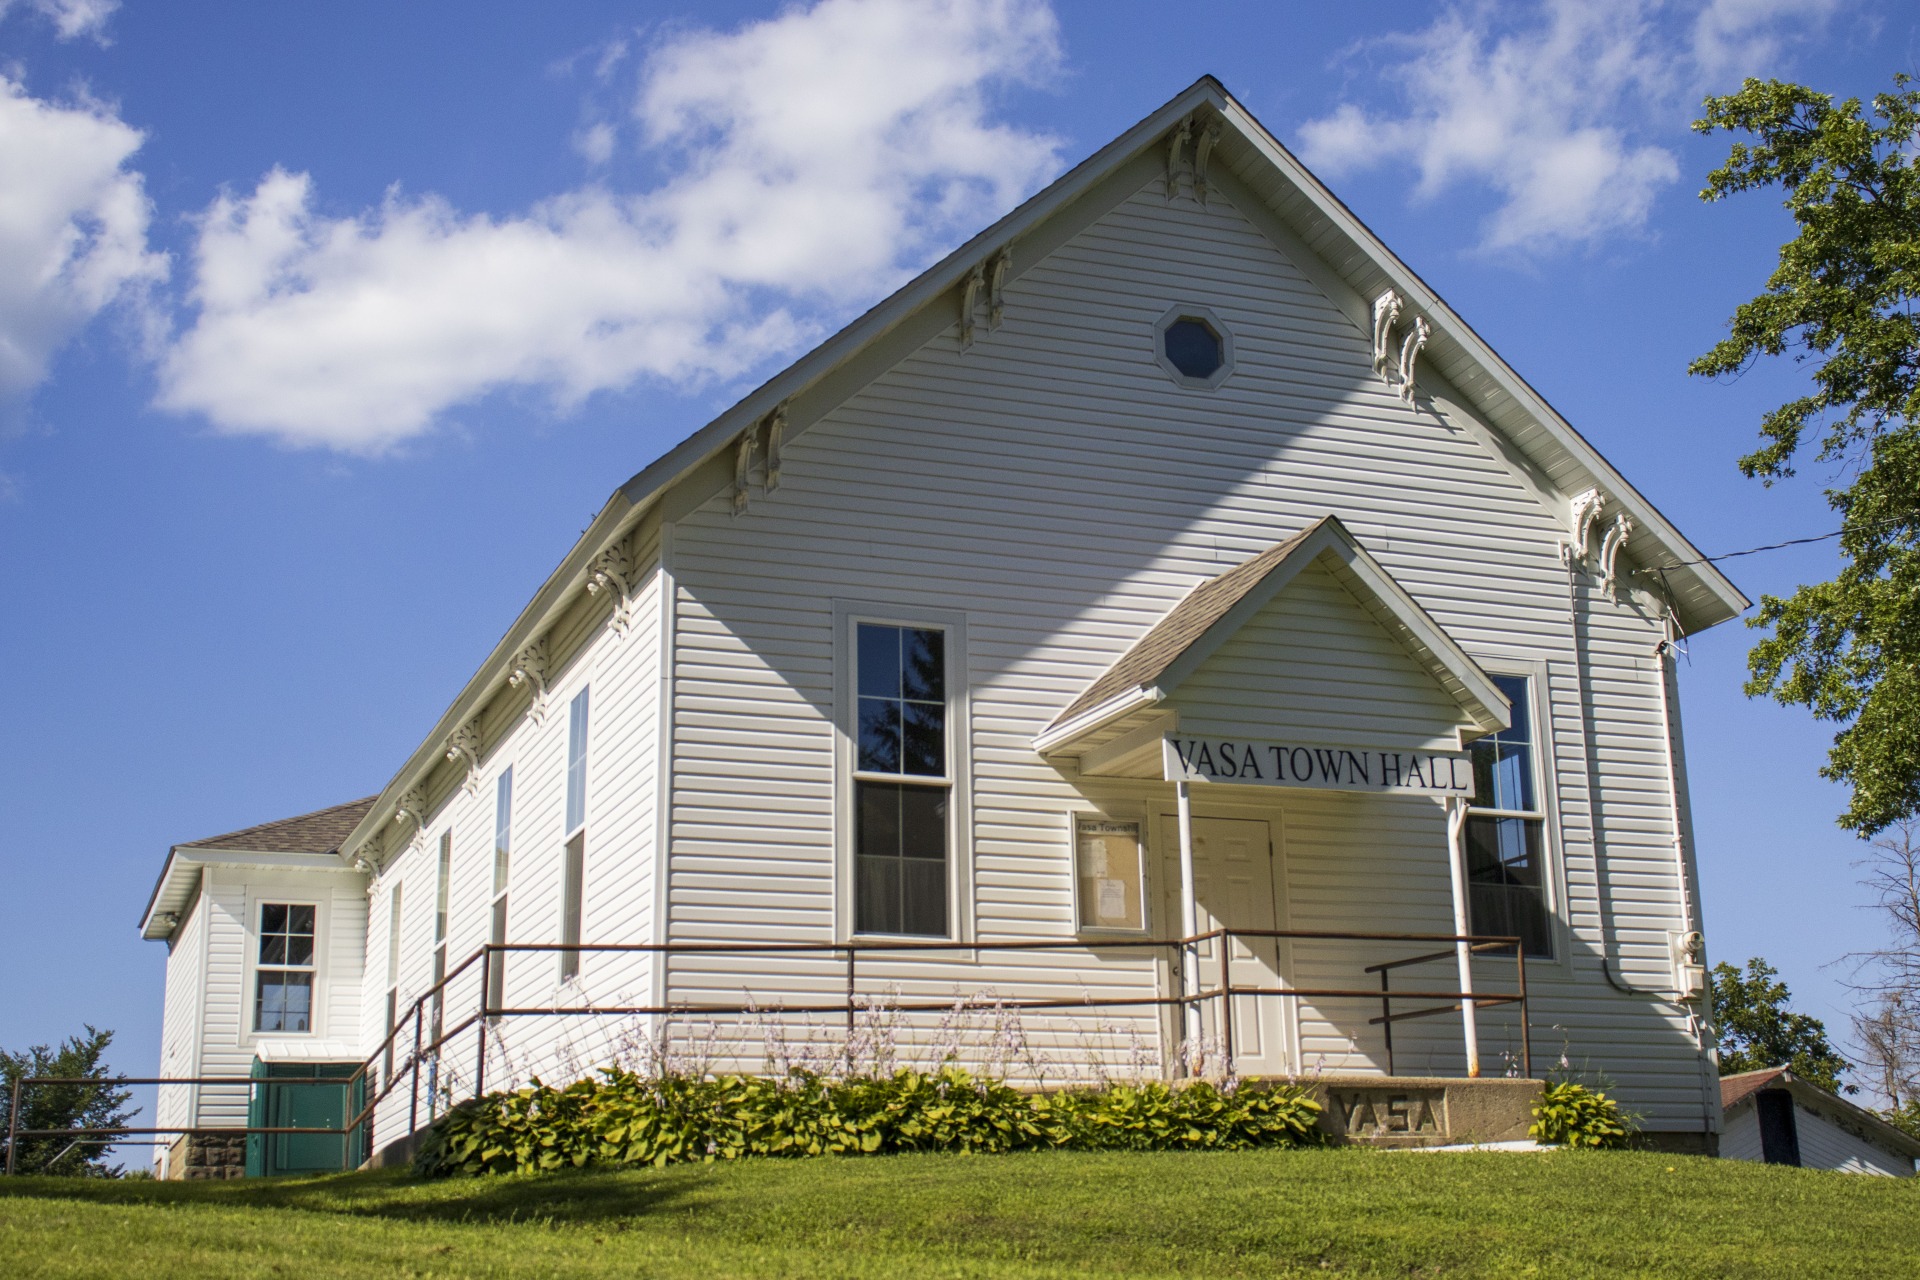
(1193, 347)
(1779, 1134)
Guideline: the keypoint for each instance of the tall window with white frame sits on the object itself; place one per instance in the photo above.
(284, 977)
(1507, 883)
(442, 877)
(902, 783)
(502, 855)
(393, 978)
(574, 871)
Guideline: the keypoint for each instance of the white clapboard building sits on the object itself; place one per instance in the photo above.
(1776, 1117)
(1169, 558)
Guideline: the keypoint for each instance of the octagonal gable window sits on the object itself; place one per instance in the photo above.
(1194, 347)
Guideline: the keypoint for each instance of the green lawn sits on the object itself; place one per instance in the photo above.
(1266, 1213)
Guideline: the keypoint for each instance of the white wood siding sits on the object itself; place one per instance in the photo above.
(1054, 484)
(230, 901)
(622, 670)
(180, 1022)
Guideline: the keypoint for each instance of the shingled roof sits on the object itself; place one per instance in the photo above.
(318, 832)
(1186, 622)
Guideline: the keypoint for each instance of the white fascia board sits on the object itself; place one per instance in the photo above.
(1096, 717)
(184, 863)
(1647, 518)
(1441, 655)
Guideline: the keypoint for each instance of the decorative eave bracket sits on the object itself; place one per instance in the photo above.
(412, 807)
(613, 571)
(1617, 535)
(1386, 318)
(465, 745)
(1582, 514)
(530, 668)
(988, 281)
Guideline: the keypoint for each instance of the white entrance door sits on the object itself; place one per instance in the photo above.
(1235, 882)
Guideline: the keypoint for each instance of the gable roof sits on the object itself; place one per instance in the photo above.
(1736, 1090)
(1331, 245)
(1209, 614)
(318, 832)
(307, 841)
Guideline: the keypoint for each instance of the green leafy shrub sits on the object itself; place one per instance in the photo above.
(1578, 1116)
(625, 1119)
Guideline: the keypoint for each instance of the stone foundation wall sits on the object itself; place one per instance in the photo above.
(208, 1157)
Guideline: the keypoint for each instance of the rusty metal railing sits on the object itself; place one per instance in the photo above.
(431, 1036)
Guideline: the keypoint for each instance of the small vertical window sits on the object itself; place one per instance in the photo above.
(1506, 831)
(502, 856)
(283, 982)
(393, 976)
(902, 785)
(444, 875)
(574, 868)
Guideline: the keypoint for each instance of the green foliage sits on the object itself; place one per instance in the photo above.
(1905, 1117)
(1841, 299)
(1578, 1116)
(62, 1106)
(625, 1119)
(1758, 1031)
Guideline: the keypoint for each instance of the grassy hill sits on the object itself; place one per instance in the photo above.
(1264, 1213)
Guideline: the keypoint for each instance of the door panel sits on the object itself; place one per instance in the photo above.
(1235, 883)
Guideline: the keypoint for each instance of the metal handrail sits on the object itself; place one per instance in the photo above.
(429, 1046)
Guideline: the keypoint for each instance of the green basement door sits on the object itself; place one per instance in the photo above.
(304, 1095)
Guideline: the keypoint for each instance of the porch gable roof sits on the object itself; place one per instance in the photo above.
(1208, 615)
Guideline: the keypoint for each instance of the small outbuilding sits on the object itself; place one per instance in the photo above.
(1777, 1117)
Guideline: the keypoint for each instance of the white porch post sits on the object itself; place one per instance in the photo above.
(1189, 923)
(1463, 952)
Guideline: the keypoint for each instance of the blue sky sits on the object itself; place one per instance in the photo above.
(324, 330)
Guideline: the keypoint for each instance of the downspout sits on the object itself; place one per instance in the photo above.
(1595, 827)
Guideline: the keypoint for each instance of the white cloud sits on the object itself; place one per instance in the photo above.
(1558, 116)
(73, 227)
(817, 156)
(1733, 39)
(71, 18)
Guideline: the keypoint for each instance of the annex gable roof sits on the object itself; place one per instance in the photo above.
(1326, 241)
(307, 841)
(1208, 615)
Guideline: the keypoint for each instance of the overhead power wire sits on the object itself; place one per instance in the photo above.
(1776, 546)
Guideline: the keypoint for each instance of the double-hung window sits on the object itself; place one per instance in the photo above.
(283, 979)
(1507, 882)
(502, 855)
(574, 868)
(903, 784)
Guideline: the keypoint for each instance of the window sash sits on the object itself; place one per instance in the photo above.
(284, 1015)
(571, 904)
(577, 762)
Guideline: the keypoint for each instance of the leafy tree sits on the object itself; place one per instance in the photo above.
(1841, 300)
(1758, 1031)
(72, 1106)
